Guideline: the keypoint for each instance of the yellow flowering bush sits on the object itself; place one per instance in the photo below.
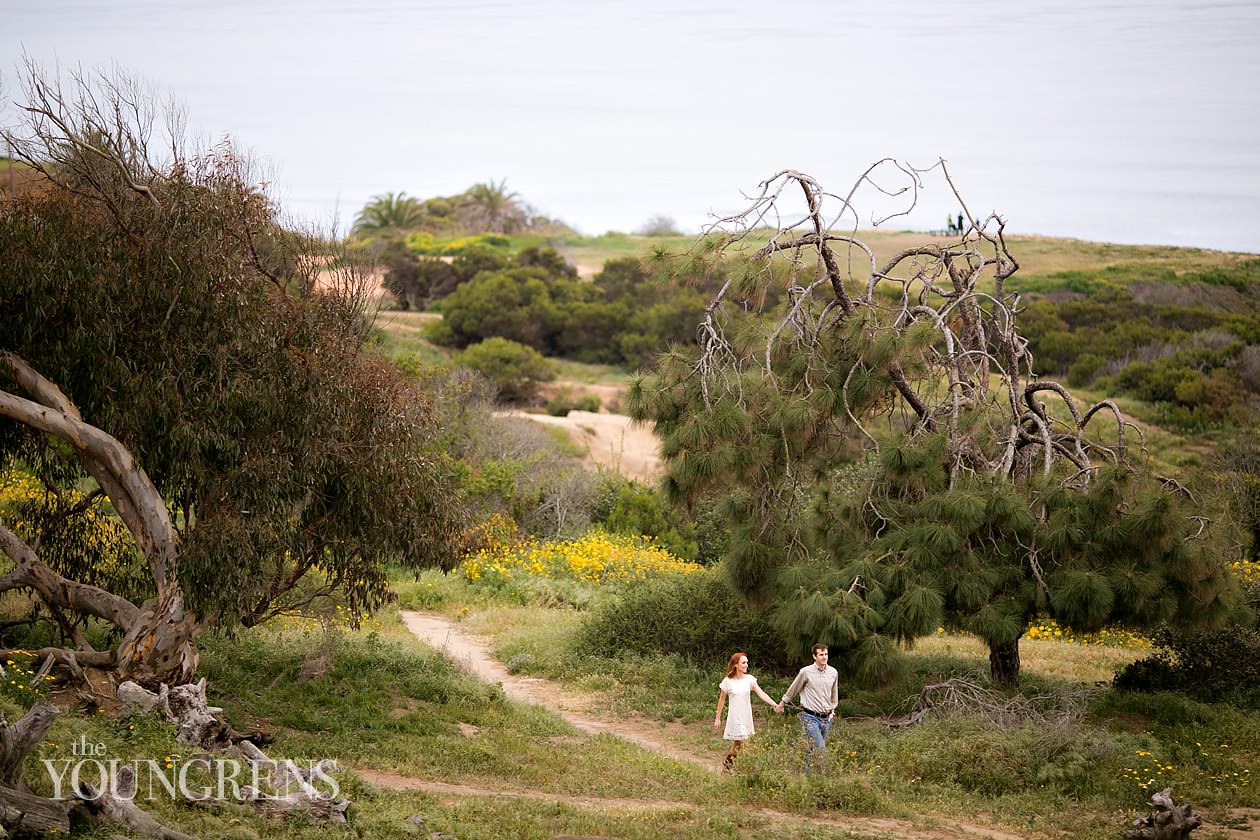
(1048, 628)
(596, 558)
(92, 546)
(1247, 571)
(423, 242)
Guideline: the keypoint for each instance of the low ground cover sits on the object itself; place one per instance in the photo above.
(1093, 754)
(383, 703)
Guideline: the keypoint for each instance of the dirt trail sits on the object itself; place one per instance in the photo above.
(473, 655)
(784, 824)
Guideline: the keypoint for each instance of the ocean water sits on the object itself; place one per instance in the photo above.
(1112, 120)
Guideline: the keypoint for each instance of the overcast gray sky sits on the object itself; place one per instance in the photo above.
(1127, 120)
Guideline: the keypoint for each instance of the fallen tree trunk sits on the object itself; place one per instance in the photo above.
(197, 724)
(20, 810)
(23, 813)
(116, 804)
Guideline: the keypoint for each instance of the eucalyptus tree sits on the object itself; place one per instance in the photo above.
(886, 458)
(174, 360)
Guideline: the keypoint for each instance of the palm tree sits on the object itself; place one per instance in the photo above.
(495, 207)
(390, 211)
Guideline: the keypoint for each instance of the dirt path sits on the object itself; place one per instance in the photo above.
(783, 824)
(473, 655)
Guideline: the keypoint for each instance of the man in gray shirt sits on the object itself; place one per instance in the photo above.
(819, 687)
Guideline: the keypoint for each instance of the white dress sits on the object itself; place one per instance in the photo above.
(739, 719)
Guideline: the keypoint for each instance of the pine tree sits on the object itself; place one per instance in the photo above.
(886, 459)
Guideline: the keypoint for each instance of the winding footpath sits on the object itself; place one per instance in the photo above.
(473, 656)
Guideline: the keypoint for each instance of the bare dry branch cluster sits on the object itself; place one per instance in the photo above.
(961, 696)
(975, 358)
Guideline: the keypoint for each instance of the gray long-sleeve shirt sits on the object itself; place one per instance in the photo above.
(819, 688)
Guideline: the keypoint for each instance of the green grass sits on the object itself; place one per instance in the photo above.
(400, 335)
(1042, 259)
(591, 374)
(379, 700)
(1072, 780)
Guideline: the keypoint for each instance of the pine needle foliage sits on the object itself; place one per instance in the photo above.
(891, 464)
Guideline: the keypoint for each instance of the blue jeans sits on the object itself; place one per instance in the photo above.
(816, 734)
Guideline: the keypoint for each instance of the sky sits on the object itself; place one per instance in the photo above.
(1111, 120)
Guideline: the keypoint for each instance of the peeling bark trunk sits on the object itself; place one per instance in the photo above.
(1004, 663)
(158, 637)
(159, 647)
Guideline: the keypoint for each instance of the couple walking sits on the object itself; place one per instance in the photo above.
(819, 687)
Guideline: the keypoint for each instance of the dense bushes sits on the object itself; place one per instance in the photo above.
(514, 369)
(524, 304)
(626, 507)
(565, 401)
(1221, 665)
(1200, 365)
(1218, 665)
(417, 281)
(624, 317)
(694, 616)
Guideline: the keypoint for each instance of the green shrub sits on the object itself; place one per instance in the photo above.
(565, 401)
(1217, 666)
(626, 507)
(514, 369)
(696, 617)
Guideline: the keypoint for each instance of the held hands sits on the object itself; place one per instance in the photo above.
(778, 708)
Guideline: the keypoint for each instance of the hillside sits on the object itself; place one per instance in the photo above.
(1173, 333)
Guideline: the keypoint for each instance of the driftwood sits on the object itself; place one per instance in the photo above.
(1169, 822)
(277, 787)
(26, 813)
(197, 724)
(20, 810)
(196, 721)
(298, 786)
(20, 738)
(117, 806)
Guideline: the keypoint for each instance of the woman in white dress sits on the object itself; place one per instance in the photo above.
(739, 686)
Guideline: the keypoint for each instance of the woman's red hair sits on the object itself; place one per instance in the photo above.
(730, 666)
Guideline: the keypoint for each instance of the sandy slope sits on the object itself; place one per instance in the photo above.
(612, 440)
